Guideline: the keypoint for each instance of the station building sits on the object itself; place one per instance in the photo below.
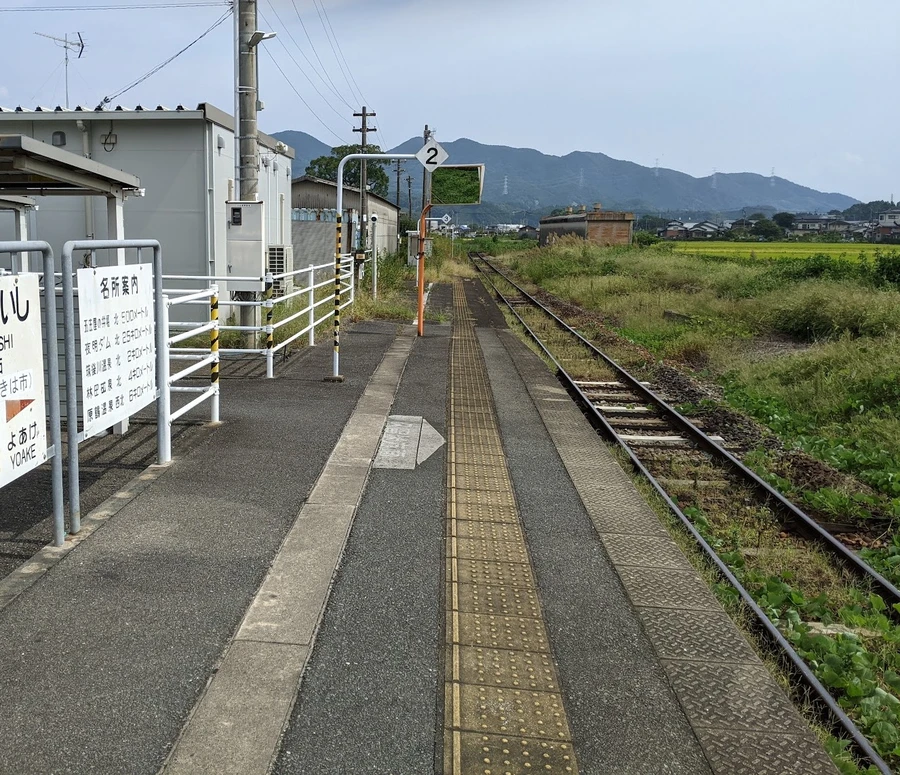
(601, 227)
(185, 162)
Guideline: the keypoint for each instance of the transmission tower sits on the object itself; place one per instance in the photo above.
(505, 185)
(67, 46)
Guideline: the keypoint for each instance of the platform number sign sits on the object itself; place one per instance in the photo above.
(432, 155)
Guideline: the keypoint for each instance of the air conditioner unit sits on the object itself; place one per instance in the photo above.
(281, 261)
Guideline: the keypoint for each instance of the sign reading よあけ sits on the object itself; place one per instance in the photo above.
(23, 418)
(118, 352)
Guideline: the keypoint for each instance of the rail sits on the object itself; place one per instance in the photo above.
(265, 305)
(860, 742)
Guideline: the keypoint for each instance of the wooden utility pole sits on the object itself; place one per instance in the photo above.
(399, 170)
(363, 173)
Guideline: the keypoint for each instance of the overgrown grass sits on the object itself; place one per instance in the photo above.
(808, 346)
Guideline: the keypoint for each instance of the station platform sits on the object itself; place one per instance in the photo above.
(435, 566)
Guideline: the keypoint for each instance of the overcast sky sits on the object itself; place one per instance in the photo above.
(807, 87)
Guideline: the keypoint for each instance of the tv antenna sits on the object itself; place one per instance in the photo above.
(67, 45)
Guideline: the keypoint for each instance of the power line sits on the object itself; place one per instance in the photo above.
(299, 67)
(334, 51)
(300, 97)
(129, 7)
(161, 65)
(341, 51)
(312, 45)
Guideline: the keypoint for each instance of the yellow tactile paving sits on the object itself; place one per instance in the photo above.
(504, 711)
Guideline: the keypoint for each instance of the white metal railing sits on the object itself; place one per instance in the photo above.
(199, 359)
(267, 303)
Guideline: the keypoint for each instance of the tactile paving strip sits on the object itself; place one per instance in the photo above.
(504, 710)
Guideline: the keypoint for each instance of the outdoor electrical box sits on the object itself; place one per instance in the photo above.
(245, 245)
(412, 247)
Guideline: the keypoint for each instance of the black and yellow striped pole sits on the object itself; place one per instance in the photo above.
(270, 331)
(214, 351)
(336, 360)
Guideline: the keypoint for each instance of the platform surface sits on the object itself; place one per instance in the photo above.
(491, 596)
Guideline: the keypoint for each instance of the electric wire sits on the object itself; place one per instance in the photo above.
(336, 57)
(161, 65)
(312, 45)
(300, 97)
(341, 51)
(340, 115)
(128, 7)
(382, 142)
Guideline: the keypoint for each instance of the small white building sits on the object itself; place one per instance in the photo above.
(185, 162)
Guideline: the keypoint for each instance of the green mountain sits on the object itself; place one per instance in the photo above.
(521, 184)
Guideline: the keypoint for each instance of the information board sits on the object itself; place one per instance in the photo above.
(23, 414)
(118, 351)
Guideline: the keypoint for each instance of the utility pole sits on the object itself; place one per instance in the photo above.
(399, 170)
(363, 173)
(246, 126)
(409, 195)
(67, 45)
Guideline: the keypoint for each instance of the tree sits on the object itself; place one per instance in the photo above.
(757, 217)
(326, 167)
(784, 220)
(767, 229)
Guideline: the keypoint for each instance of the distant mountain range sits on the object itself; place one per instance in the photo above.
(522, 184)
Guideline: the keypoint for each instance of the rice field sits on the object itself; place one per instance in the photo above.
(778, 249)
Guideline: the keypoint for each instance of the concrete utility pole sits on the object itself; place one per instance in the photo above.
(246, 127)
(409, 195)
(363, 174)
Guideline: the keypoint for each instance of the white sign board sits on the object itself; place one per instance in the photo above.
(118, 352)
(23, 415)
(446, 219)
(432, 155)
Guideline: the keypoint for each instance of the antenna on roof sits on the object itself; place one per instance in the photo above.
(67, 45)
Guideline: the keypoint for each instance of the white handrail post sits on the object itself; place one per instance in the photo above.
(312, 305)
(164, 453)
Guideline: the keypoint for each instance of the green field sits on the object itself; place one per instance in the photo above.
(777, 249)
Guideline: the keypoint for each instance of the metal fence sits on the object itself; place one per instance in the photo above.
(303, 286)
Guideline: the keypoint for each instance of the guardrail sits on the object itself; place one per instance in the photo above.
(267, 304)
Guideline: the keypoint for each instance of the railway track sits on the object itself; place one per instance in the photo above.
(692, 471)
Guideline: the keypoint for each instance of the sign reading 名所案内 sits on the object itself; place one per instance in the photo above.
(118, 353)
(23, 418)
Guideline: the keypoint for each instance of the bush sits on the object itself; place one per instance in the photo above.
(645, 239)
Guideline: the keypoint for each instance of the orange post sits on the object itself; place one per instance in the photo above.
(421, 266)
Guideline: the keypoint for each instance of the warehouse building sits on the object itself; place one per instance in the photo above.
(601, 227)
(314, 200)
